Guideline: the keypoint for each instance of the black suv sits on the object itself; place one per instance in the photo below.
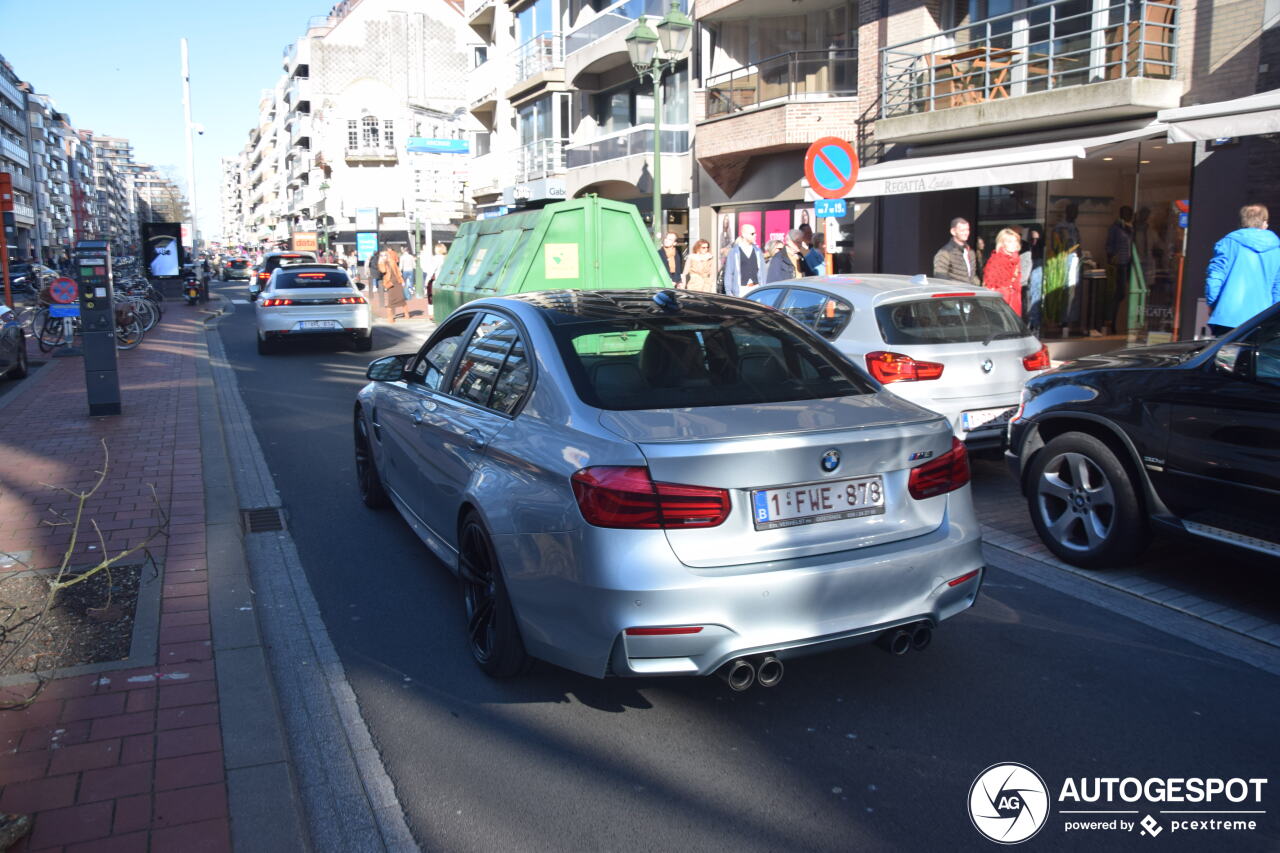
(1185, 435)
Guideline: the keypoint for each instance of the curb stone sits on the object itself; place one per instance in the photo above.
(349, 800)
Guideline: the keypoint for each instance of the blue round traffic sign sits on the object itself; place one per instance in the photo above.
(64, 291)
(831, 167)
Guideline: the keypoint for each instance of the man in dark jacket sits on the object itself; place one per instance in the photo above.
(956, 261)
(1244, 275)
(787, 263)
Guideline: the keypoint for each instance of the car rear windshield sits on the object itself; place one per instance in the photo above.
(670, 362)
(239, 264)
(283, 260)
(314, 278)
(948, 320)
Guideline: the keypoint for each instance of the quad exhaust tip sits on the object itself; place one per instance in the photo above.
(769, 671)
(899, 641)
(739, 674)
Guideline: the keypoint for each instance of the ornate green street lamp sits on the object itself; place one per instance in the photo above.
(654, 55)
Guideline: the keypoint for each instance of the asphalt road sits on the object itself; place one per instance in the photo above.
(856, 750)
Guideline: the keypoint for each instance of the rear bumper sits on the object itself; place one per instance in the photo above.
(575, 599)
(351, 322)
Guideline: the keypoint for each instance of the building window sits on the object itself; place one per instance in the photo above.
(368, 132)
(353, 134)
(389, 134)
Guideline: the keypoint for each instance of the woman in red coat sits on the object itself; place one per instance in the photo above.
(1003, 272)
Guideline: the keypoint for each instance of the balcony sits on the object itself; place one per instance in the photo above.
(599, 45)
(799, 75)
(21, 183)
(12, 117)
(23, 213)
(480, 16)
(626, 158)
(298, 94)
(488, 174)
(542, 158)
(483, 84)
(14, 151)
(371, 154)
(13, 93)
(1049, 65)
(537, 62)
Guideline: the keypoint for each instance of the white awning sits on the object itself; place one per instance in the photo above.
(1051, 161)
(1258, 113)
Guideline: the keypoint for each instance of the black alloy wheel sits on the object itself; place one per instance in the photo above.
(1084, 504)
(370, 484)
(492, 633)
(21, 365)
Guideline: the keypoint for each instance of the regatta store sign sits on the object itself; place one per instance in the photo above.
(904, 182)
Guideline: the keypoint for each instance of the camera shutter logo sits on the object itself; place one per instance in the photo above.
(1008, 803)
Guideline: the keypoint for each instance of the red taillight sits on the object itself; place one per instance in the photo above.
(264, 275)
(662, 632)
(950, 295)
(965, 577)
(352, 300)
(629, 498)
(889, 367)
(945, 474)
(1039, 360)
(312, 274)
(272, 303)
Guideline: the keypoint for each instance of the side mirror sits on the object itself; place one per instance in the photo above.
(388, 368)
(1234, 360)
(359, 284)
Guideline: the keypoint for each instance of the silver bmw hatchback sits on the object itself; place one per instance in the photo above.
(654, 482)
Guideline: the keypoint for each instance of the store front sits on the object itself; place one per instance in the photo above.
(1106, 219)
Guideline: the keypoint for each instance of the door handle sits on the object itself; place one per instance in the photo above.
(475, 440)
(417, 417)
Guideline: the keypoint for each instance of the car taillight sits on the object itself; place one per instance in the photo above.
(889, 367)
(352, 300)
(629, 498)
(945, 474)
(1039, 360)
(272, 303)
(264, 275)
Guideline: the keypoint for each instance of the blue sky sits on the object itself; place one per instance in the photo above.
(115, 68)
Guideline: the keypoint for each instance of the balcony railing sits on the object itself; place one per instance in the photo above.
(14, 151)
(1049, 46)
(636, 140)
(614, 18)
(540, 159)
(798, 75)
(538, 54)
(373, 153)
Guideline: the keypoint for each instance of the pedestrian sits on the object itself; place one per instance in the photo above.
(700, 268)
(788, 262)
(815, 260)
(770, 249)
(375, 278)
(392, 283)
(432, 270)
(744, 264)
(1003, 272)
(1119, 262)
(955, 260)
(407, 269)
(1244, 274)
(672, 262)
(1031, 264)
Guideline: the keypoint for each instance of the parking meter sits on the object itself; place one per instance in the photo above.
(98, 326)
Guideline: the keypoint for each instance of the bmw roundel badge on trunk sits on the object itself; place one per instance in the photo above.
(831, 460)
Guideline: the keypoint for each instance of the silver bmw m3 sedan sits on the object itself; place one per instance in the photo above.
(659, 482)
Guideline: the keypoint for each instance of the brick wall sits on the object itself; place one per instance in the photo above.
(773, 128)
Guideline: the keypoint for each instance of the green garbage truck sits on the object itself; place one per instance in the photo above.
(587, 243)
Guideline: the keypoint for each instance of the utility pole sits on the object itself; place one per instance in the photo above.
(191, 151)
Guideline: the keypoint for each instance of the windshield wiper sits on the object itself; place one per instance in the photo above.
(995, 336)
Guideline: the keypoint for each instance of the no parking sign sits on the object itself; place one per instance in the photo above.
(831, 167)
(64, 291)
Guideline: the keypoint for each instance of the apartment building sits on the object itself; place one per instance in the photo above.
(114, 171)
(159, 197)
(370, 114)
(15, 158)
(231, 203)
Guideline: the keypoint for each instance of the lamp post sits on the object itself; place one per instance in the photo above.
(674, 32)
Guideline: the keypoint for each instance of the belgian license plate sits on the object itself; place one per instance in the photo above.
(319, 324)
(811, 503)
(979, 418)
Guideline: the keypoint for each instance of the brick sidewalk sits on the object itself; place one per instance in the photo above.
(127, 759)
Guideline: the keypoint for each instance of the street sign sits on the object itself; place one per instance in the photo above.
(366, 245)
(830, 207)
(831, 167)
(426, 145)
(64, 310)
(64, 291)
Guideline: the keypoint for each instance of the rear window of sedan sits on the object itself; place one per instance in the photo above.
(948, 320)
(316, 278)
(239, 264)
(670, 362)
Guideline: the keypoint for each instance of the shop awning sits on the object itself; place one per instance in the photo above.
(1254, 114)
(1050, 161)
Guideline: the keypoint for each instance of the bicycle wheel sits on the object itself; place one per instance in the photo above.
(129, 336)
(51, 332)
(146, 311)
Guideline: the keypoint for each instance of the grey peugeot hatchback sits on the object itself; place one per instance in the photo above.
(657, 482)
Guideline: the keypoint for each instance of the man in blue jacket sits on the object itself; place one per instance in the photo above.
(744, 266)
(1244, 275)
